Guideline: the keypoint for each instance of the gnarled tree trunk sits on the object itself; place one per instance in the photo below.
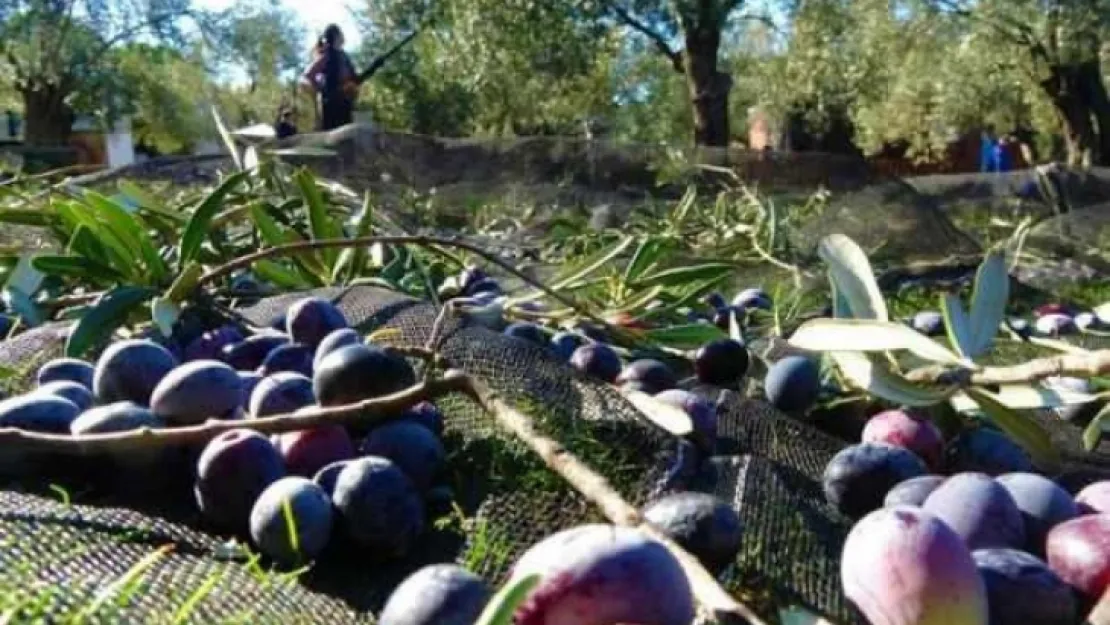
(48, 120)
(1083, 107)
(709, 87)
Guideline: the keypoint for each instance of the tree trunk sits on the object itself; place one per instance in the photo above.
(709, 88)
(48, 120)
(1083, 107)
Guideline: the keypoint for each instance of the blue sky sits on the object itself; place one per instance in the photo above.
(316, 14)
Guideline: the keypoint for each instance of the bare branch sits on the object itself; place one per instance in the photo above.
(1087, 364)
(368, 411)
(718, 604)
(675, 56)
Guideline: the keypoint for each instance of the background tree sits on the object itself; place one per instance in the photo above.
(55, 51)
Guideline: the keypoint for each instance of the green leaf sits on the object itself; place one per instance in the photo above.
(185, 283)
(685, 336)
(34, 217)
(273, 235)
(590, 264)
(197, 228)
(229, 142)
(684, 276)
(1021, 428)
(1092, 434)
(865, 335)
(321, 225)
(270, 271)
(165, 314)
(957, 325)
(500, 609)
(111, 312)
(870, 374)
(854, 278)
(81, 267)
(130, 229)
(98, 236)
(988, 302)
(646, 256)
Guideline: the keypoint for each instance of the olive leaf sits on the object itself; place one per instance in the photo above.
(863, 335)
(988, 302)
(672, 419)
(869, 373)
(500, 609)
(852, 274)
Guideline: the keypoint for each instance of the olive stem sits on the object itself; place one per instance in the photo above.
(367, 411)
(1087, 364)
(431, 243)
(717, 603)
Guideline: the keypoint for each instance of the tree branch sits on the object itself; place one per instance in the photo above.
(368, 411)
(1086, 364)
(719, 605)
(675, 56)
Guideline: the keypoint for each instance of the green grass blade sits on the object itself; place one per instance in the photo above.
(130, 230)
(321, 225)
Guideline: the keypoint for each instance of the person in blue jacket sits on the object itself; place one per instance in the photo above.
(987, 144)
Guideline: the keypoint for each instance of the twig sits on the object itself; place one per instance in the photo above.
(368, 411)
(420, 240)
(1086, 364)
(718, 604)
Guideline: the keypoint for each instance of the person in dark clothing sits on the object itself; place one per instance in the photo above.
(333, 77)
(285, 126)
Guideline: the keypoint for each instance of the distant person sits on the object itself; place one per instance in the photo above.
(987, 145)
(285, 126)
(332, 76)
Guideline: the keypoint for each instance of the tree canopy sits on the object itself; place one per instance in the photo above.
(854, 74)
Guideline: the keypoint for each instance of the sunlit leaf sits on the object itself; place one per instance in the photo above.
(865, 335)
(25, 277)
(500, 609)
(646, 256)
(229, 142)
(81, 267)
(34, 217)
(1026, 397)
(841, 309)
(870, 374)
(674, 420)
(855, 280)
(683, 276)
(321, 225)
(988, 302)
(185, 283)
(1099, 425)
(130, 230)
(1021, 428)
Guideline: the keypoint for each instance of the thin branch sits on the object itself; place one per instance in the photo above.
(1085, 364)
(368, 411)
(719, 605)
(675, 56)
(420, 240)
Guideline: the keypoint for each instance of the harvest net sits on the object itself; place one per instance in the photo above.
(768, 467)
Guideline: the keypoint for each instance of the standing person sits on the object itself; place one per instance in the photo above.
(1002, 155)
(987, 143)
(333, 77)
